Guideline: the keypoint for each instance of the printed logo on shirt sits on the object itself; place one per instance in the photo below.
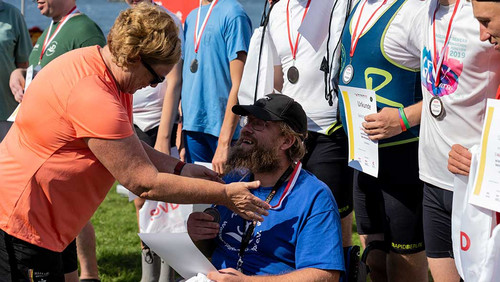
(51, 49)
(451, 69)
(231, 235)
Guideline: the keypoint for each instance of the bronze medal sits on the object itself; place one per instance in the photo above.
(293, 75)
(194, 66)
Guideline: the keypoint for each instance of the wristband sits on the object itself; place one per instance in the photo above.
(401, 122)
(403, 117)
(178, 167)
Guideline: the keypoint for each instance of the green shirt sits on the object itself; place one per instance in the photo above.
(79, 31)
(15, 46)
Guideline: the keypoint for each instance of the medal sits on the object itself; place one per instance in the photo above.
(348, 74)
(198, 32)
(436, 107)
(293, 72)
(293, 75)
(194, 66)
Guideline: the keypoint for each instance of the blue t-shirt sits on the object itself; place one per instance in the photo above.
(303, 232)
(205, 92)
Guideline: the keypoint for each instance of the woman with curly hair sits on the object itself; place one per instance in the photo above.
(73, 137)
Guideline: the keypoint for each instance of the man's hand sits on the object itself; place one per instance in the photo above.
(383, 124)
(200, 226)
(198, 171)
(459, 160)
(242, 202)
(16, 83)
(228, 274)
(220, 158)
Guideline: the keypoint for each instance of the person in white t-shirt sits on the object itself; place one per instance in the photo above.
(381, 53)
(326, 143)
(453, 109)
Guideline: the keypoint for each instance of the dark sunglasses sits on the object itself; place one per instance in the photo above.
(156, 78)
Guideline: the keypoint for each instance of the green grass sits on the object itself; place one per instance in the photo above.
(118, 246)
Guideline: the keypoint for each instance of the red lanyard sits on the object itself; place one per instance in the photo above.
(355, 37)
(197, 35)
(436, 66)
(294, 49)
(48, 39)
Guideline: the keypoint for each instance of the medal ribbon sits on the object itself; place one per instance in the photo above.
(199, 32)
(48, 39)
(436, 68)
(294, 49)
(245, 240)
(355, 37)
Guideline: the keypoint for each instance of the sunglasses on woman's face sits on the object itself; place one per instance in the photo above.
(156, 78)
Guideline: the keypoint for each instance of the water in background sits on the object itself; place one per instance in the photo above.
(104, 12)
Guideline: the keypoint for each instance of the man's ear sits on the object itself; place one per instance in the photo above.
(287, 142)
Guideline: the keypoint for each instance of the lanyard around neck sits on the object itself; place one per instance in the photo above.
(198, 32)
(292, 47)
(355, 36)
(249, 232)
(436, 66)
(48, 39)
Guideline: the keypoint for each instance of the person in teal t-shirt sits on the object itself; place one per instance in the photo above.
(15, 47)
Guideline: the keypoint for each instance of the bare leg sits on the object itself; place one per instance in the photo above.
(407, 267)
(376, 258)
(71, 277)
(85, 248)
(443, 269)
(346, 225)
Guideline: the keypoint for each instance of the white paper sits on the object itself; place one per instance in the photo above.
(178, 251)
(486, 192)
(363, 152)
(207, 165)
(314, 28)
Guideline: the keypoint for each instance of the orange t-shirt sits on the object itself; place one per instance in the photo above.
(498, 93)
(51, 183)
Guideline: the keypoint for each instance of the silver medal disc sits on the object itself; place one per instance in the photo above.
(348, 74)
(436, 107)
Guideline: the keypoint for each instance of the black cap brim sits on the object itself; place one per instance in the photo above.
(256, 111)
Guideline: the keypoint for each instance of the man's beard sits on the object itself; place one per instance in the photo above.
(258, 159)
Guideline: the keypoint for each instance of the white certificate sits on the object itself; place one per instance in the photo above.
(178, 251)
(486, 191)
(363, 152)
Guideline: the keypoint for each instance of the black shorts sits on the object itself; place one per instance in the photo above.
(22, 261)
(437, 222)
(392, 203)
(70, 258)
(326, 158)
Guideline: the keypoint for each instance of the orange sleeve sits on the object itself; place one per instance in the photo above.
(96, 110)
(498, 93)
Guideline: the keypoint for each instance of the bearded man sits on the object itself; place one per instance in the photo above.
(301, 238)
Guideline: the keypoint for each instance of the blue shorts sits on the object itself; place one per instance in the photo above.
(200, 147)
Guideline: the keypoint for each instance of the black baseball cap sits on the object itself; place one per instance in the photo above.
(276, 107)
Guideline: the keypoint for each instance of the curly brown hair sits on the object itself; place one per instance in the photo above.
(144, 32)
